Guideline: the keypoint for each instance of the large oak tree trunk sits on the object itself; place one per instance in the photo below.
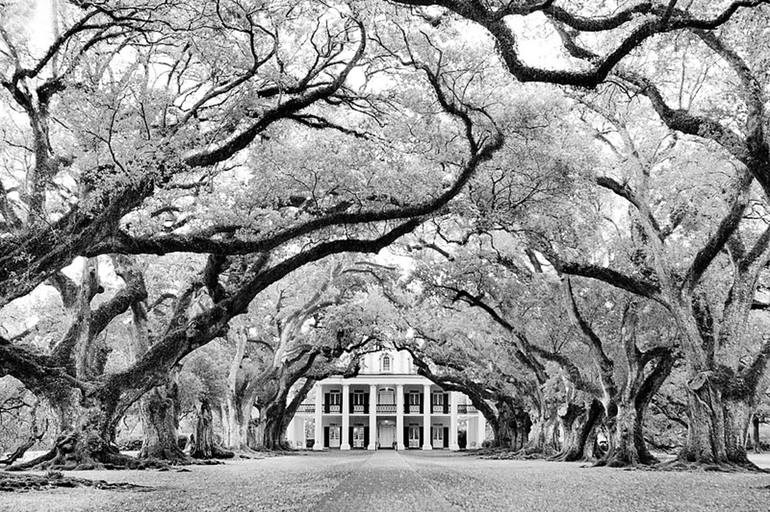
(627, 446)
(523, 429)
(204, 445)
(626, 440)
(542, 438)
(273, 424)
(236, 428)
(717, 429)
(504, 427)
(160, 424)
(755, 442)
(579, 425)
(274, 434)
(237, 417)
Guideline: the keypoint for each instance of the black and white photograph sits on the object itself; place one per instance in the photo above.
(384, 255)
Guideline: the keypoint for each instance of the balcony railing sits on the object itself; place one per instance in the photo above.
(306, 408)
(387, 409)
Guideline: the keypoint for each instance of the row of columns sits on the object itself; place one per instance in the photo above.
(427, 406)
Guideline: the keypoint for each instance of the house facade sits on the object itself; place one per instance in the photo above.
(386, 406)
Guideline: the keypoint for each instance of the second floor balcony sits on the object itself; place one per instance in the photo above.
(386, 409)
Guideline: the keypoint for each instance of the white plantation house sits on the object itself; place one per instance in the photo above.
(386, 406)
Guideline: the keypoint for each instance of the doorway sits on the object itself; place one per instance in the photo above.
(387, 434)
(437, 436)
(359, 437)
(414, 436)
(334, 436)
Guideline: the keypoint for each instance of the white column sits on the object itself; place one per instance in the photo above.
(345, 417)
(481, 431)
(301, 441)
(319, 429)
(400, 417)
(426, 407)
(372, 417)
(453, 396)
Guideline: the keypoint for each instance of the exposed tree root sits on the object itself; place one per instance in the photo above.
(625, 460)
(174, 456)
(216, 452)
(727, 467)
(53, 479)
(251, 453)
(570, 456)
(76, 452)
(508, 454)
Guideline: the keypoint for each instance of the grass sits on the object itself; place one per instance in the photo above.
(403, 482)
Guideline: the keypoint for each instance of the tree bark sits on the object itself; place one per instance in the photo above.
(505, 426)
(717, 428)
(159, 411)
(579, 425)
(626, 440)
(204, 445)
(542, 440)
(237, 417)
(757, 445)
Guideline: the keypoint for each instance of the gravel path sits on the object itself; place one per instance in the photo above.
(385, 481)
(404, 482)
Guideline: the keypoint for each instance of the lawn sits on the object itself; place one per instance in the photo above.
(403, 482)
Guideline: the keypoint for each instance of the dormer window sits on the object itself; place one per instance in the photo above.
(385, 364)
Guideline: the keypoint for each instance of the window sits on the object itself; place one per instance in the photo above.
(387, 396)
(385, 364)
(438, 398)
(414, 398)
(334, 397)
(358, 398)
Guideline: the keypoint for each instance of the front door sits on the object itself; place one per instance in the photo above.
(387, 435)
(358, 437)
(437, 436)
(414, 436)
(334, 436)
